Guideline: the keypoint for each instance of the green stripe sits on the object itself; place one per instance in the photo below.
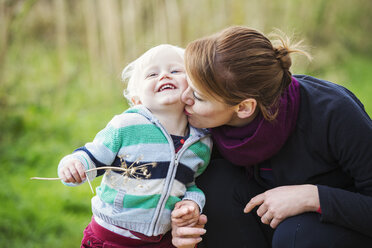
(109, 137)
(116, 138)
(193, 188)
(108, 194)
(144, 134)
(203, 152)
(143, 201)
(148, 201)
(131, 110)
(172, 200)
(86, 161)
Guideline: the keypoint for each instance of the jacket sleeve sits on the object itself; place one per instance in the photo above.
(192, 191)
(350, 140)
(98, 153)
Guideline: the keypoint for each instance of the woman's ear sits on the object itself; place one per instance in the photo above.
(246, 108)
(136, 100)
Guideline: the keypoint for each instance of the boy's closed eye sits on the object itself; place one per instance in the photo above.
(152, 74)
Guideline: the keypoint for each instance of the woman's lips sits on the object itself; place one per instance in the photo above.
(186, 113)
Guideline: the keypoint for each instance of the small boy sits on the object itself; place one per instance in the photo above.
(159, 154)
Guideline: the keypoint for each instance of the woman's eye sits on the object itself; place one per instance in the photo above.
(196, 97)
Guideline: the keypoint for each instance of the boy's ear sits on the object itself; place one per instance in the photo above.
(136, 100)
(246, 108)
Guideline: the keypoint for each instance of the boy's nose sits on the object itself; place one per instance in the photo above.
(165, 75)
(186, 97)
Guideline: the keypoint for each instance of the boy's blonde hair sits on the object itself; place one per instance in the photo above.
(131, 73)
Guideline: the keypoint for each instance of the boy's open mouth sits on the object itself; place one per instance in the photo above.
(167, 86)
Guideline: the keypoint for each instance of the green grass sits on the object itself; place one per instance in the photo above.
(359, 75)
(353, 72)
(44, 118)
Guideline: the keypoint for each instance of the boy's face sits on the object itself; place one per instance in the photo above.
(163, 80)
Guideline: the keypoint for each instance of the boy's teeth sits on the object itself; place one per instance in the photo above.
(167, 86)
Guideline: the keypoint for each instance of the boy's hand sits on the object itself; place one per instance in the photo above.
(73, 172)
(185, 213)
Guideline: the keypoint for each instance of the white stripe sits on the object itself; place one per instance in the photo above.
(142, 186)
(101, 152)
(148, 152)
(115, 229)
(190, 158)
(128, 119)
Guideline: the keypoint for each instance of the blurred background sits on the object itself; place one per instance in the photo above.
(60, 66)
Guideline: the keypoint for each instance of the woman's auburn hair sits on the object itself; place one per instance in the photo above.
(240, 63)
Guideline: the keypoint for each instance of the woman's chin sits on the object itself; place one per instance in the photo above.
(194, 123)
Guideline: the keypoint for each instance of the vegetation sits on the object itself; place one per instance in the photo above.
(60, 65)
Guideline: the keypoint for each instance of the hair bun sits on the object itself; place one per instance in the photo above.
(282, 54)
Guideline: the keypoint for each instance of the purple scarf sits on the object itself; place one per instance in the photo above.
(260, 139)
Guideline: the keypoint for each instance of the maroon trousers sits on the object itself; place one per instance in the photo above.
(96, 236)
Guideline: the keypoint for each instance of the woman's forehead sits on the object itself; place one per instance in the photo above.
(199, 90)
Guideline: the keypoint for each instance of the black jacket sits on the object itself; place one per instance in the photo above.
(330, 147)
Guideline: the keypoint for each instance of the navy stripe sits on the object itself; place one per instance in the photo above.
(184, 174)
(159, 171)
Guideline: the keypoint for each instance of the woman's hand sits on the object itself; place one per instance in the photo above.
(279, 203)
(188, 237)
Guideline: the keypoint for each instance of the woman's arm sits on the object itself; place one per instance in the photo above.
(348, 138)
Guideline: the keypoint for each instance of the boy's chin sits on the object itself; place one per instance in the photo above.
(173, 107)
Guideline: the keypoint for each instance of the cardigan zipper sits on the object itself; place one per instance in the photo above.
(172, 176)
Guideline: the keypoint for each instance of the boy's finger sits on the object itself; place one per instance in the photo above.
(68, 177)
(191, 209)
(81, 170)
(178, 205)
(179, 212)
(63, 176)
(75, 174)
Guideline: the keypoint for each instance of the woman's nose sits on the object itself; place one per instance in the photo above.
(187, 97)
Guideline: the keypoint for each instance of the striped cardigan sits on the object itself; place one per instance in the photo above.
(142, 200)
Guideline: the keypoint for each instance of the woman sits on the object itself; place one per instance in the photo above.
(293, 161)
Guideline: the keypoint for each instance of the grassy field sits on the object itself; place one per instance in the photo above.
(60, 84)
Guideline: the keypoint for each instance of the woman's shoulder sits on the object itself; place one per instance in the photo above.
(321, 86)
(322, 93)
(324, 103)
